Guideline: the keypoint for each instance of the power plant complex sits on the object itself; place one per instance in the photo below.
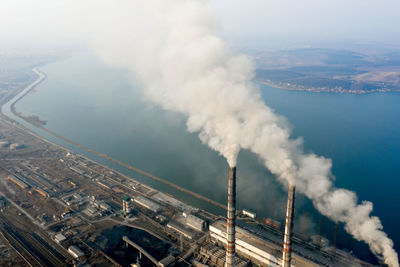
(265, 248)
(247, 242)
(195, 237)
(163, 230)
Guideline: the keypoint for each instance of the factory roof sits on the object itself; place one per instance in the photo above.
(59, 237)
(195, 222)
(105, 206)
(75, 251)
(249, 239)
(181, 230)
(303, 253)
(164, 198)
(167, 260)
(126, 198)
(249, 213)
(147, 203)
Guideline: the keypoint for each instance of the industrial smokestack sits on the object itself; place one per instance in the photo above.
(230, 224)
(287, 242)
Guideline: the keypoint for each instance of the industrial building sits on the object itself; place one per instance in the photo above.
(104, 184)
(32, 182)
(248, 245)
(4, 143)
(43, 192)
(16, 146)
(161, 218)
(75, 251)
(67, 214)
(78, 170)
(215, 256)
(195, 222)
(167, 261)
(126, 200)
(249, 214)
(164, 198)
(181, 230)
(59, 238)
(274, 223)
(102, 205)
(265, 248)
(148, 204)
(73, 199)
(90, 211)
(17, 181)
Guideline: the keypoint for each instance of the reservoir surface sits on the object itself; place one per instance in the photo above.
(102, 108)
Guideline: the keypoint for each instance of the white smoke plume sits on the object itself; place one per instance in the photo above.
(174, 50)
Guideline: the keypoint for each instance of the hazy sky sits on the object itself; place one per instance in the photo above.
(310, 18)
(240, 20)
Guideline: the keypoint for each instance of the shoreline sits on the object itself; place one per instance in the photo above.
(42, 76)
(27, 90)
(327, 90)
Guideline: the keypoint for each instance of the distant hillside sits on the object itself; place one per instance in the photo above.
(330, 70)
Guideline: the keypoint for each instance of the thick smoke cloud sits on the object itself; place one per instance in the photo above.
(174, 50)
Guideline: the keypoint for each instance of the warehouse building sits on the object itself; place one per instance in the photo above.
(249, 214)
(248, 245)
(195, 222)
(18, 181)
(181, 230)
(148, 204)
(59, 238)
(265, 249)
(75, 251)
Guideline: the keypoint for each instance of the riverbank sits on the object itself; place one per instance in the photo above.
(10, 107)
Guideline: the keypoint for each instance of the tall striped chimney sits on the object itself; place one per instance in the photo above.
(230, 224)
(287, 242)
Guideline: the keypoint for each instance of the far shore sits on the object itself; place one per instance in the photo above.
(328, 90)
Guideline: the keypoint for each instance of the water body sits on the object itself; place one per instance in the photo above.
(102, 108)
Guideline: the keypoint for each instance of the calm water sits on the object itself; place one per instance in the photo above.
(103, 109)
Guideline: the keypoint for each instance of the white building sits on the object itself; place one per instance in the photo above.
(126, 204)
(148, 204)
(195, 222)
(75, 251)
(59, 237)
(249, 214)
(181, 230)
(105, 206)
(265, 249)
(248, 245)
